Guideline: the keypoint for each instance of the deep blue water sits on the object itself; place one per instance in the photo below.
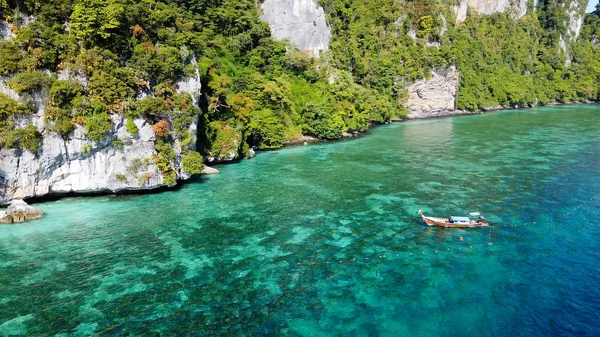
(324, 240)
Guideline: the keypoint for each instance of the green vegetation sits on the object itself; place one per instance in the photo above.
(121, 178)
(224, 138)
(137, 165)
(258, 92)
(507, 64)
(131, 127)
(97, 122)
(30, 82)
(30, 138)
(86, 150)
(192, 163)
(502, 61)
(27, 138)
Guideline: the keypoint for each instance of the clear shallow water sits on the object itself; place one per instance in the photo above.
(325, 240)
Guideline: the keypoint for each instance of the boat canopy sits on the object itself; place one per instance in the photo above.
(475, 214)
(459, 219)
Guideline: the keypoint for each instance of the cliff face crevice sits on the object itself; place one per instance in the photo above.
(302, 22)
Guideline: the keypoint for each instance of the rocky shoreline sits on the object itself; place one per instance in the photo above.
(303, 140)
(19, 211)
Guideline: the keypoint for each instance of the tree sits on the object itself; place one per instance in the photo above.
(192, 163)
(95, 19)
(10, 55)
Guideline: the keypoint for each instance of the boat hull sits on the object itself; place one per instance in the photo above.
(444, 222)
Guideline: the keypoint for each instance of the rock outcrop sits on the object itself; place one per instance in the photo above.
(19, 211)
(5, 31)
(434, 95)
(302, 22)
(193, 84)
(517, 8)
(8, 91)
(574, 21)
(79, 165)
(121, 162)
(209, 170)
(576, 15)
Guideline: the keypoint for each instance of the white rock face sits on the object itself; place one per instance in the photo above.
(573, 23)
(78, 165)
(81, 166)
(517, 8)
(68, 75)
(461, 11)
(438, 94)
(302, 22)
(8, 91)
(192, 85)
(120, 162)
(576, 16)
(5, 32)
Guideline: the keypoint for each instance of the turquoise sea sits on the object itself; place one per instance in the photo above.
(324, 240)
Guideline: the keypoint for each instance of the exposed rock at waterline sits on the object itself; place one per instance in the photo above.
(79, 165)
(209, 170)
(301, 140)
(302, 22)
(434, 95)
(121, 162)
(19, 211)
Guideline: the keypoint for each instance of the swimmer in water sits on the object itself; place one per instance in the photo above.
(461, 239)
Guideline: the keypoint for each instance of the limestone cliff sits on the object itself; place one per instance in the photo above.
(434, 96)
(121, 162)
(302, 22)
(517, 8)
(575, 15)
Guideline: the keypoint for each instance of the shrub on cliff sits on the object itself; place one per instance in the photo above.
(97, 123)
(131, 127)
(63, 126)
(62, 93)
(10, 56)
(192, 163)
(10, 108)
(30, 82)
(150, 108)
(161, 129)
(110, 89)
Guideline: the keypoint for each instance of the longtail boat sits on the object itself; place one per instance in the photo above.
(456, 221)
